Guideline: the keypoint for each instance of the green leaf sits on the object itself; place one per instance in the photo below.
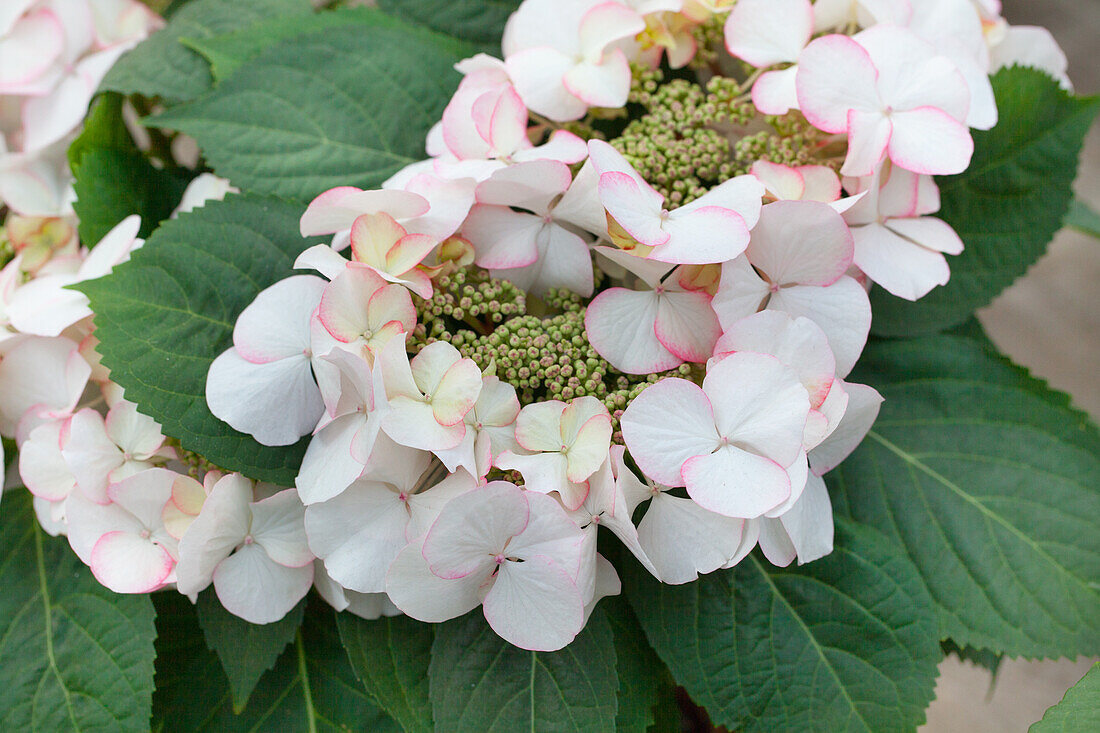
(477, 21)
(1007, 206)
(1079, 709)
(347, 106)
(73, 655)
(246, 650)
(162, 67)
(989, 481)
(985, 658)
(390, 657)
(638, 667)
(483, 684)
(164, 316)
(846, 643)
(227, 52)
(311, 687)
(1082, 218)
(113, 179)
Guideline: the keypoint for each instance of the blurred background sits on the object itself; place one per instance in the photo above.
(1048, 321)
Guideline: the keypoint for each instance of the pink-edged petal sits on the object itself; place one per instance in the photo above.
(709, 235)
(373, 236)
(735, 483)
(928, 141)
(322, 258)
(580, 205)
(863, 407)
(252, 586)
(869, 136)
(44, 307)
(742, 195)
(137, 434)
(473, 527)
(900, 265)
(47, 373)
(456, 392)
(551, 533)
(802, 242)
(88, 521)
(589, 450)
(776, 92)
(602, 84)
(563, 146)
(741, 292)
(278, 527)
(220, 527)
(636, 209)
(538, 426)
(927, 231)
(822, 183)
(128, 563)
(835, 75)
(144, 494)
(409, 252)
(329, 466)
(604, 24)
(545, 473)
(413, 588)
(359, 533)
(90, 454)
(768, 32)
(683, 540)
(620, 324)
(912, 74)
(413, 424)
(687, 326)
(276, 324)
(535, 605)
(507, 125)
(564, 262)
(344, 306)
(42, 466)
(530, 186)
(809, 523)
(32, 46)
(666, 425)
(537, 74)
(758, 403)
(842, 311)
(502, 238)
(277, 402)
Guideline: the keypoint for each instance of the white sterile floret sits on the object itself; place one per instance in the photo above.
(124, 539)
(359, 532)
(46, 306)
(530, 247)
(363, 312)
(263, 385)
(652, 329)
(797, 263)
(712, 228)
(429, 395)
(254, 552)
(101, 451)
(567, 444)
(41, 380)
(897, 244)
(490, 429)
(735, 443)
(894, 95)
(562, 56)
(765, 33)
(514, 552)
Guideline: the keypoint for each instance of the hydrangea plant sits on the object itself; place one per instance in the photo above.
(528, 365)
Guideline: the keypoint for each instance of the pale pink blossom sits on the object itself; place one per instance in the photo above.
(566, 442)
(713, 228)
(514, 552)
(766, 33)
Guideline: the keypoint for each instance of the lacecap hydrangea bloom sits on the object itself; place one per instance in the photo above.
(625, 289)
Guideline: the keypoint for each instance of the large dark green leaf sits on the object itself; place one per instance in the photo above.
(113, 179)
(163, 67)
(1079, 709)
(246, 650)
(990, 482)
(477, 21)
(73, 655)
(165, 315)
(311, 688)
(641, 672)
(391, 657)
(482, 684)
(346, 106)
(846, 643)
(1007, 206)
